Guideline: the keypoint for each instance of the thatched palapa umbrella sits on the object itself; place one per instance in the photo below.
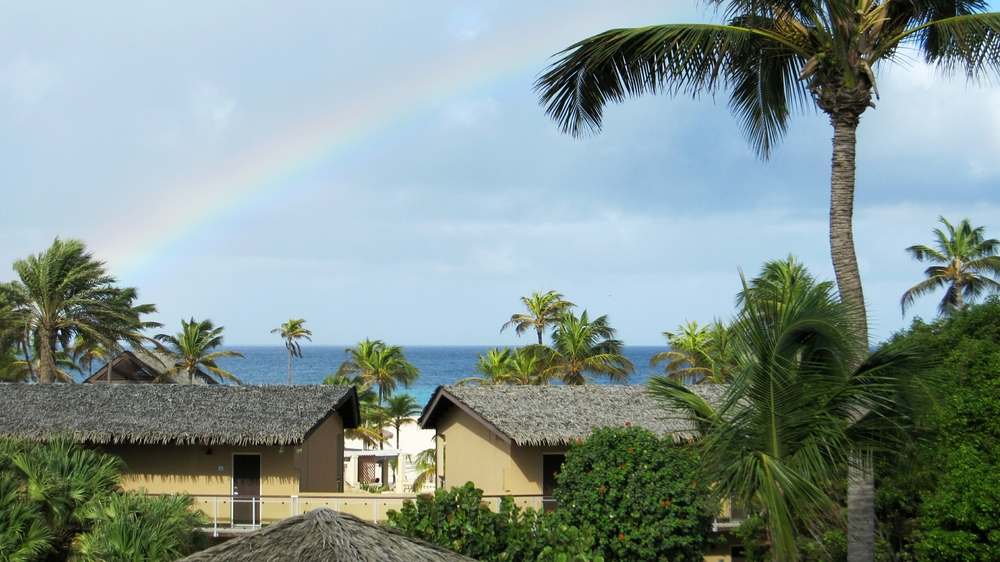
(326, 535)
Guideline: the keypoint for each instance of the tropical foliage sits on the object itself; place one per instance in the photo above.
(523, 365)
(86, 353)
(804, 399)
(544, 309)
(291, 332)
(936, 500)
(643, 498)
(583, 348)
(966, 266)
(373, 416)
(134, 526)
(379, 366)
(60, 500)
(192, 355)
(426, 464)
(698, 354)
(458, 519)
(63, 293)
(402, 408)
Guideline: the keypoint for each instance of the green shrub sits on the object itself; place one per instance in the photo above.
(62, 500)
(643, 498)
(459, 520)
(136, 527)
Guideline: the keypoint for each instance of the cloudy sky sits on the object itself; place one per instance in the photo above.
(383, 169)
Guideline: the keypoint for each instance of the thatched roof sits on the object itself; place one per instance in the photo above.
(559, 415)
(328, 536)
(141, 365)
(167, 413)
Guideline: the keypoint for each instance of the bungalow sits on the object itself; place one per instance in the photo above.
(206, 440)
(141, 365)
(513, 439)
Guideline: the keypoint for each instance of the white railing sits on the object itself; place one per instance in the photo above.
(265, 510)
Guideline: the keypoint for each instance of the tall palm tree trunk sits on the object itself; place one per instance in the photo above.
(289, 367)
(861, 509)
(46, 357)
(845, 260)
(861, 480)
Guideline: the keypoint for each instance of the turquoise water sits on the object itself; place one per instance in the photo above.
(438, 365)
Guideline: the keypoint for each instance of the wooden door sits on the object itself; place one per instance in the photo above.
(246, 489)
(551, 465)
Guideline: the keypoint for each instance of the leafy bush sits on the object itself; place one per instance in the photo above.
(459, 520)
(134, 526)
(643, 498)
(23, 534)
(59, 498)
(946, 497)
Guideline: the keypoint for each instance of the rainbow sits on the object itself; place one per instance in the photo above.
(267, 172)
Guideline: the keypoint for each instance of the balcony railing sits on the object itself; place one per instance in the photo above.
(239, 514)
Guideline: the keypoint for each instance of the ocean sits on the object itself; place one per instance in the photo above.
(439, 365)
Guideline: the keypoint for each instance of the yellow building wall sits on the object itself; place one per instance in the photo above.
(524, 476)
(169, 469)
(469, 451)
(321, 460)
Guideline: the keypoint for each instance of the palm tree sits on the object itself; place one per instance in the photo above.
(379, 365)
(543, 310)
(528, 366)
(802, 404)
(291, 331)
(775, 56)
(689, 358)
(367, 431)
(698, 354)
(495, 367)
(85, 353)
(968, 266)
(581, 347)
(426, 465)
(401, 409)
(191, 351)
(64, 292)
(23, 370)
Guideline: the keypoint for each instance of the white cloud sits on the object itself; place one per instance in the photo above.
(472, 112)
(211, 107)
(27, 80)
(468, 24)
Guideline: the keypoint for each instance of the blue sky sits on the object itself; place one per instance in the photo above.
(384, 170)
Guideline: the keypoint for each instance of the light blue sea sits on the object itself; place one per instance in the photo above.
(438, 365)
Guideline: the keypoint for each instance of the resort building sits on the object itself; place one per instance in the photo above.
(237, 444)
(513, 439)
(140, 365)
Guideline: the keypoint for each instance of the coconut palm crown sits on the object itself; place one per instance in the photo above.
(775, 57)
(379, 365)
(191, 351)
(292, 331)
(582, 347)
(967, 266)
(804, 401)
(544, 310)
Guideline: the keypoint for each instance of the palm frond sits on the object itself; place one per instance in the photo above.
(672, 59)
